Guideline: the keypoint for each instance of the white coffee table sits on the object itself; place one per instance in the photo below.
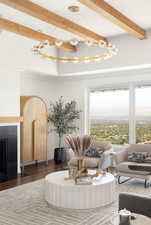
(66, 194)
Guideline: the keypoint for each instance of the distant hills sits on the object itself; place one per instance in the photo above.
(118, 119)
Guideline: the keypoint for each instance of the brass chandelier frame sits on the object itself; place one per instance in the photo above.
(111, 50)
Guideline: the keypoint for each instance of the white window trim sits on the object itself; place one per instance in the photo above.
(87, 112)
(132, 118)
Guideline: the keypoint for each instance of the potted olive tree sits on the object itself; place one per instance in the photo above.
(62, 116)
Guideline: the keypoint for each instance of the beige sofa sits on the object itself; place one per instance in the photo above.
(132, 169)
(93, 162)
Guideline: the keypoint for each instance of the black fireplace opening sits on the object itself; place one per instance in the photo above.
(8, 152)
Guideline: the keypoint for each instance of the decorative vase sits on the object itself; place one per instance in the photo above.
(72, 172)
(80, 163)
(60, 155)
(124, 217)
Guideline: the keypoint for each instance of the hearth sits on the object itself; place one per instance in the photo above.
(8, 152)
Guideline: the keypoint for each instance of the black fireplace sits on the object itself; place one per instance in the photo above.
(8, 152)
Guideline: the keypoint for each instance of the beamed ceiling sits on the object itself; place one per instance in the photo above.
(95, 20)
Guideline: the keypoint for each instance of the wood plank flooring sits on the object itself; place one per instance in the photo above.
(32, 173)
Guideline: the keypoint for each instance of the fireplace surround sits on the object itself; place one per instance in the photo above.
(8, 152)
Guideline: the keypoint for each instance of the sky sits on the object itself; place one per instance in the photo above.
(116, 103)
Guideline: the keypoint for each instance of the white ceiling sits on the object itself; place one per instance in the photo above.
(137, 10)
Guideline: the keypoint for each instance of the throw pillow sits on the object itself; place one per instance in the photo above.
(148, 158)
(92, 152)
(139, 157)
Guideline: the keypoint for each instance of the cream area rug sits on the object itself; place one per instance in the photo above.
(25, 205)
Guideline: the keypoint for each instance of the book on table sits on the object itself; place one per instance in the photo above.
(84, 180)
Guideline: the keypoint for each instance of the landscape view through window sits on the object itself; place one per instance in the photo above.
(143, 115)
(109, 115)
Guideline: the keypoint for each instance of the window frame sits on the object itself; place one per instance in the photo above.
(131, 87)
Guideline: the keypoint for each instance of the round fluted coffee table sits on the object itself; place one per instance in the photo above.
(66, 194)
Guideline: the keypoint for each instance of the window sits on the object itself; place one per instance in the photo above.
(109, 112)
(110, 117)
(143, 115)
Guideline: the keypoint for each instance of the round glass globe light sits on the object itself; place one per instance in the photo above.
(58, 42)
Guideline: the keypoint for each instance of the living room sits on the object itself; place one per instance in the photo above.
(100, 59)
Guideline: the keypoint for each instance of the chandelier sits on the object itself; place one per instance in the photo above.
(111, 50)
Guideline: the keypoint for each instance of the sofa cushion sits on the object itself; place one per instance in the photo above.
(139, 148)
(101, 145)
(148, 158)
(88, 162)
(123, 167)
(92, 152)
(139, 157)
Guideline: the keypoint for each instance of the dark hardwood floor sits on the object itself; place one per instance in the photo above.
(32, 173)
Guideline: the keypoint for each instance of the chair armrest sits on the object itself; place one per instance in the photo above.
(119, 157)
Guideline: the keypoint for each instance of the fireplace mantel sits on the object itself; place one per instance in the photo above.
(11, 119)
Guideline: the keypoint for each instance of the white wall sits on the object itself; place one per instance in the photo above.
(16, 53)
(132, 52)
(9, 92)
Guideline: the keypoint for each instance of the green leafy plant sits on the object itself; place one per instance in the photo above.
(62, 116)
